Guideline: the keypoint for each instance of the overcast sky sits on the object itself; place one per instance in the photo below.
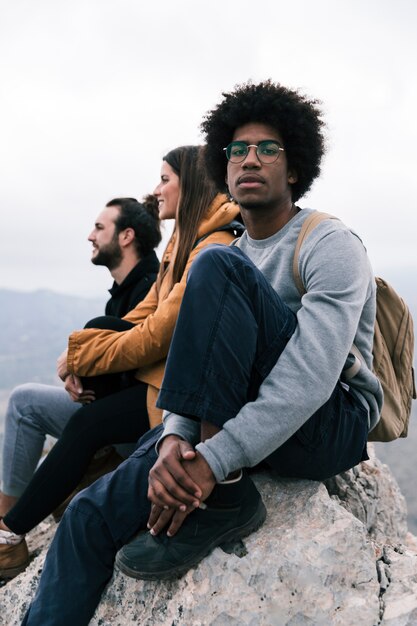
(94, 92)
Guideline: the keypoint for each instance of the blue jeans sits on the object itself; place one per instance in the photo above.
(231, 329)
(33, 412)
(96, 524)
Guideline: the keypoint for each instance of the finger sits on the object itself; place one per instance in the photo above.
(188, 455)
(87, 395)
(181, 480)
(154, 515)
(186, 450)
(162, 521)
(73, 387)
(158, 494)
(169, 491)
(76, 397)
(74, 394)
(76, 381)
(68, 384)
(176, 522)
(85, 399)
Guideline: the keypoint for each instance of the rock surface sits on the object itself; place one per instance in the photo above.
(337, 557)
(372, 495)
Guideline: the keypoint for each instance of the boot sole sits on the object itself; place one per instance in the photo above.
(12, 572)
(233, 534)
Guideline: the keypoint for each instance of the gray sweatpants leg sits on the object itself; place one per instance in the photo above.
(33, 412)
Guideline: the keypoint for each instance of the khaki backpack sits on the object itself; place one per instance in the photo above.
(393, 348)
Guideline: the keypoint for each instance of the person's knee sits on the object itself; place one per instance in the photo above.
(217, 264)
(216, 253)
(21, 398)
(24, 394)
(211, 262)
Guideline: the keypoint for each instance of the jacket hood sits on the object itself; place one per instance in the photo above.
(221, 211)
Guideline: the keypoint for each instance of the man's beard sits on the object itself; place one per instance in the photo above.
(109, 255)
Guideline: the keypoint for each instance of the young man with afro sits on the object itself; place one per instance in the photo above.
(256, 371)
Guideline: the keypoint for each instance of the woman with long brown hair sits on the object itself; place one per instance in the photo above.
(202, 217)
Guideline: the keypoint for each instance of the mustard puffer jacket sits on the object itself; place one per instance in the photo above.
(92, 352)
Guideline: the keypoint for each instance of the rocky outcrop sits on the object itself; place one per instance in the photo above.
(366, 491)
(325, 556)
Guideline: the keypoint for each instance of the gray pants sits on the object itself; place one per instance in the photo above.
(34, 411)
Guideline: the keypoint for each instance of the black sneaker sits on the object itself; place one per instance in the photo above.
(234, 510)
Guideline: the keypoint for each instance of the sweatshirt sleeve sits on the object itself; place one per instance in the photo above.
(338, 278)
(93, 352)
(183, 427)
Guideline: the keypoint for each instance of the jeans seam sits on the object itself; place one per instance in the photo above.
(202, 386)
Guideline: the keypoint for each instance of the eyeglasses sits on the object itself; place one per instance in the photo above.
(267, 151)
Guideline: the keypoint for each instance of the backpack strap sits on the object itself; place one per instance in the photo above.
(307, 227)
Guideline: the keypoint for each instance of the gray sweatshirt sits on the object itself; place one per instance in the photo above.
(337, 311)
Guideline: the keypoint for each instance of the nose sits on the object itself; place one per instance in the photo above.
(91, 236)
(252, 159)
(157, 190)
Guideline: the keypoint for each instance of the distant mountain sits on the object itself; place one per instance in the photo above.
(34, 328)
(401, 457)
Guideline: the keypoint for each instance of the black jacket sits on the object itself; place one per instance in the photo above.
(134, 288)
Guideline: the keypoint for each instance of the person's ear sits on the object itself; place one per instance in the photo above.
(292, 177)
(126, 236)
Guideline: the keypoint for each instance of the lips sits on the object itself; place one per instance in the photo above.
(250, 180)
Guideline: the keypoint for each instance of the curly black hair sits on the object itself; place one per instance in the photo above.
(296, 118)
